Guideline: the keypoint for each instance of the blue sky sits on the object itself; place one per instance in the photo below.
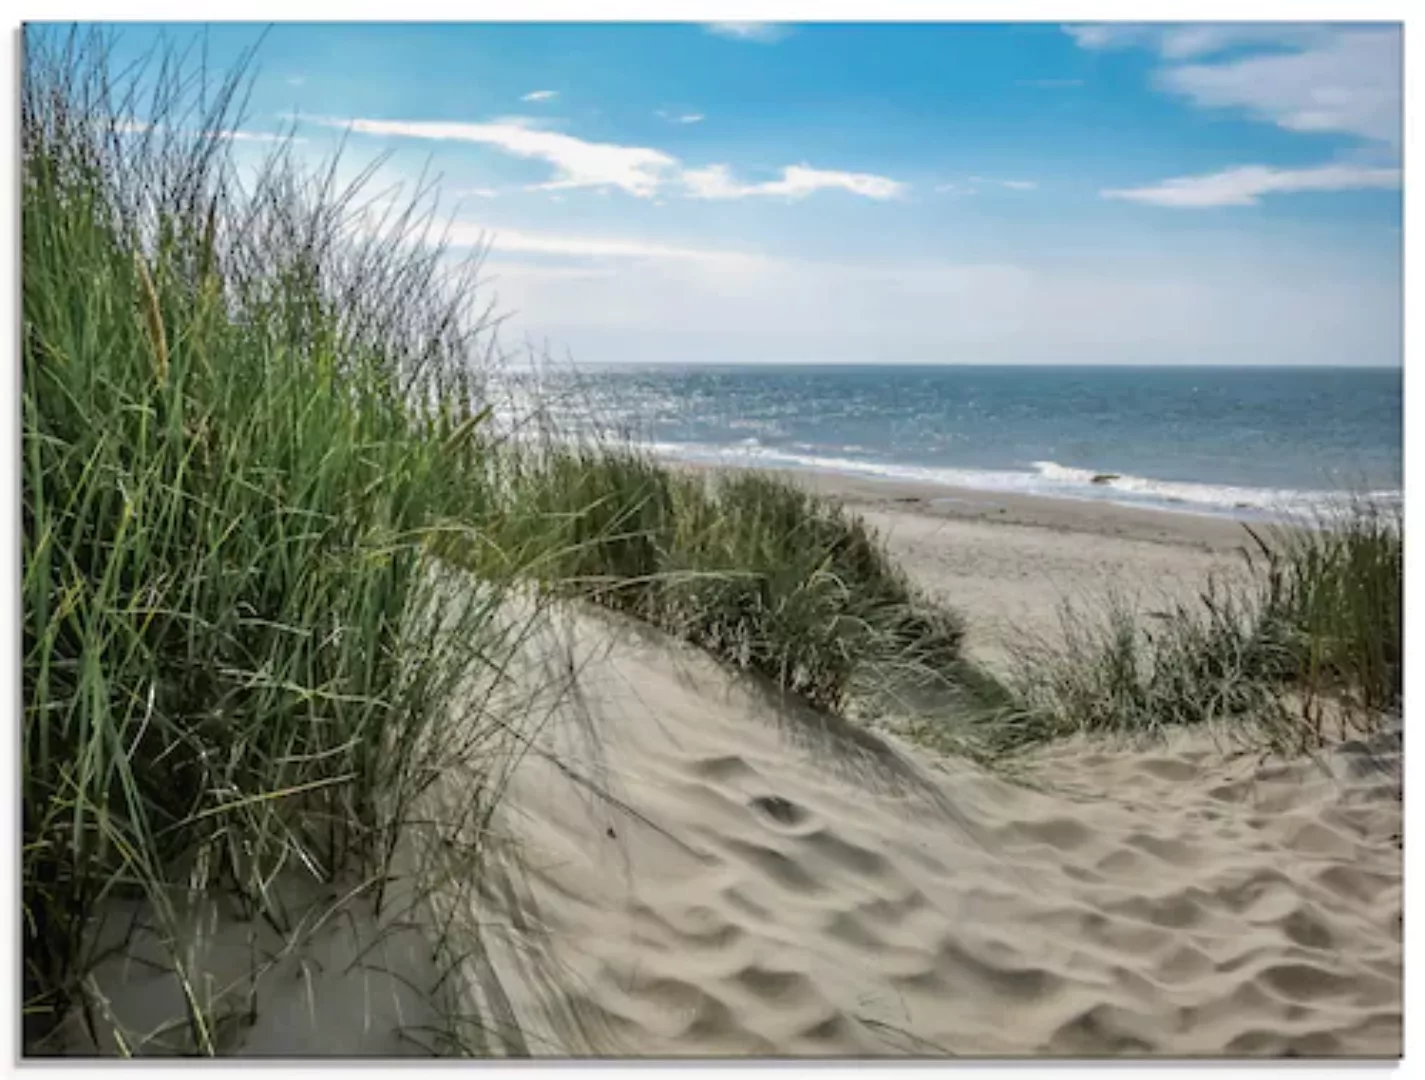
(942, 193)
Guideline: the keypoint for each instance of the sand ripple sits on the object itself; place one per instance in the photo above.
(761, 881)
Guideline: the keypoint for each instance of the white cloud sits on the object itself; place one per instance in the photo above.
(1302, 77)
(468, 234)
(717, 182)
(1179, 41)
(952, 188)
(1244, 186)
(764, 33)
(679, 118)
(640, 171)
(255, 136)
(534, 123)
(1107, 35)
(578, 163)
(1347, 81)
(129, 126)
(296, 80)
(1183, 42)
(1314, 78)
(540, 95)
(479, 192)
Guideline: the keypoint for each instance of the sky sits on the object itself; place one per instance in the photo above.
(1027, 193)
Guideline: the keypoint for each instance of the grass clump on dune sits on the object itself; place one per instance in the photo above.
(1335, 592)
(241, 423)
(751, 567)
(1305, 645)
(796, 587)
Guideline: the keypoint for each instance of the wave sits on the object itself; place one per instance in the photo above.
(1047, 478)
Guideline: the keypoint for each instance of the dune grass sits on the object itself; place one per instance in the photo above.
(242, 423)
(1306, 645)
(1336, 592)
(762, 574)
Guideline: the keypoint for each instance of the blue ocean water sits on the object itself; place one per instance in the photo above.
(1216, 440)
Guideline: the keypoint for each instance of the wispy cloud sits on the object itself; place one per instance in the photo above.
(1181, 41)
(764, 33)
(797, 181)
(1106, 35)
(500, 240)
(129, 126)
(541, 123)
(540, 95)
(1313, 78)
(255, 136)
(296, 80)
(638, 170)
(1302, 77)
(679, 118)
(479, 192)
(1347, 81)
(1245, 185)
(975, 183)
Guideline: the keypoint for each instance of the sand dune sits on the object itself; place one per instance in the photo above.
(723, 873)
(685, 863)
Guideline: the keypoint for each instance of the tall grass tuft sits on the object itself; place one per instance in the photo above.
(796, 587)
(243, 420)
(1303, 647)
(761, 573)
(1335, 592)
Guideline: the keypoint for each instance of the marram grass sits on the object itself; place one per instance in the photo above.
(242, 423)
(1303, 646)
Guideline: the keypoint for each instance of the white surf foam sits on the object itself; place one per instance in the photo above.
(1047, 478)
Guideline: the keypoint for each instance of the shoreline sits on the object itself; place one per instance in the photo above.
(1211, 532)
(1228, 501)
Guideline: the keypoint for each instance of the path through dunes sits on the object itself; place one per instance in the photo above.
(704, 870)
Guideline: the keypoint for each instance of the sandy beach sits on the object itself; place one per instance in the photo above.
(687, 863)
(1010, 562)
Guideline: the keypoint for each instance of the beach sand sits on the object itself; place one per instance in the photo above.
(731, 874)
(687, 863)
(1009, 562)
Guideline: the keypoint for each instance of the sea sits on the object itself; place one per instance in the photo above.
(1242, 442)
